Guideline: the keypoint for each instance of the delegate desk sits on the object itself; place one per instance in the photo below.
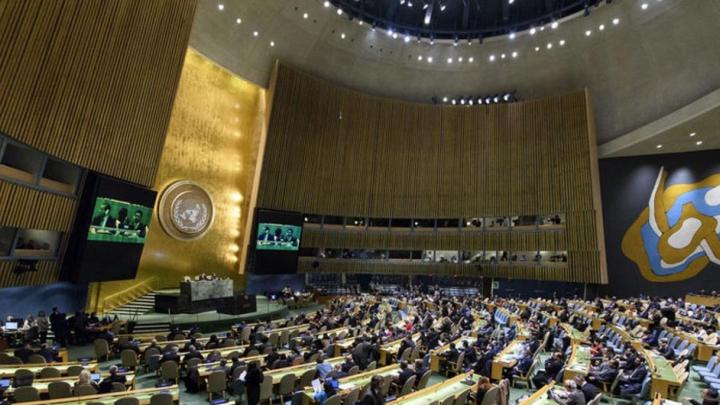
(707, 300)
(390, 349)
(8, 370)
(358, 381)
(143, 395)
(540, 397)
(438, 393)
(436, 356)
(298, 370)
(664, 380)
(42, 384)
(506, 358)
(579, 363)
(576, 337)
(62, 353)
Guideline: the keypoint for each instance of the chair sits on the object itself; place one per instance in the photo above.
(217, 382)
(161, 399)
(23, 377)
(193, 362)
(253, 353)
(14, 360)
(450, 400)
(596, 400)
(36, 359)
(49, 372)
(525, 378)
(286, 386)
(371, 366)
(169, 370)
(307, 378)
(644, 390)
(102, 349)
(82, 390)
(408, 386)
(708, 367)
(26, 394)
(266, 390)
(457, 366)
(353, 370)
(59, 389)
(491, 396)
(74, 371)
(129, 359)
(424, 380)
(118, 387)
(462, 398)
(405, 356)
(334, 400)
(385, 386)
(127, 401)
(153, 362)
(352, 397)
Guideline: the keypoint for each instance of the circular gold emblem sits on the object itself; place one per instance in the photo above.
(185, 210)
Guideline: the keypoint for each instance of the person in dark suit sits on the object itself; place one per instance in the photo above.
(631, 383)
(420, 370)
(606, 373)
(347, 364)
(24, 353)
(193, 353)
(520, 367)
(589, 390)
(253, 379)
(574, 395)
(709, 397)
(114, 377)
(171, 355)
(552, 367)
(104, 219)
(373, 395)
(362, 353)
(665, 350)
(48, 353)
(405, 373)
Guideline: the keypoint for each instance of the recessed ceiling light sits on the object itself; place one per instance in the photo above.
(588, 33)
(502, 56)
(532, 31)
(449, 60)
(395, 35)
(255, 33)
(514, 54)
(238, 20)
(471, 59)
(562, 42)
(221, 7)
(644, 6)
(537, 49)
(460, 59)
(419, 57)
(616, 21)
(601, 27)
(272, 43)
(429, 59)
(305, 16)
(444, 99)
(692, 134)
(659, 146)
(360, 22)
(554, 25)
(549, 45)
(407, 38)
(512, 35)
(326, 4)
(698, 143)
(492, 58)
(339, 11)
(342, 35)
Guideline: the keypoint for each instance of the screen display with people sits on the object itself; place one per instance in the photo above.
(119, 221)
(278, 236)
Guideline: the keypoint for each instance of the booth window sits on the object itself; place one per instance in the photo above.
(7, 236)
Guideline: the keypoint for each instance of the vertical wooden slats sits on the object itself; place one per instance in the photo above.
(386, 158)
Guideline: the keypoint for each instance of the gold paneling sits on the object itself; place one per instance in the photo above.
(333, 151)
(25, 207)
(92, 82)
(213, 139)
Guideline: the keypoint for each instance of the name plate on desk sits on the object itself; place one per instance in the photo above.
(207, 289)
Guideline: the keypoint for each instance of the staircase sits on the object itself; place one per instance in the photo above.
(140, 305)
(156, 328)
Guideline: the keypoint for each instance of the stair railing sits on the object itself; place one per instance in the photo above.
(128, 295)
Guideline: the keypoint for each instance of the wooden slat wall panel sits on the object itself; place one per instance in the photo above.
(334, 151)
(25, 207)
(93, 82)
(46, 272)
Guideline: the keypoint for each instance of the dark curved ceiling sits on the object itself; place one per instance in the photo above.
(459, 19)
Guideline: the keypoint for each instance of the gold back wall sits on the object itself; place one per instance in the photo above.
(213, 140)
(92, 82)
(333, 151)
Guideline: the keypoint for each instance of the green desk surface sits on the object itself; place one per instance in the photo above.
(362, 379)
(581, 361)
(438, 392)
(512, 353)
(663, 369)
(9, 371)
(42, 385)
(278, 374)
(143, 395)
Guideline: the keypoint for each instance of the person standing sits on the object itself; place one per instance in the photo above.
(43, 325)
(253, 379)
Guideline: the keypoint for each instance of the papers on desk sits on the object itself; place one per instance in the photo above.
(346, 386)
(317, 385)
(242, 376)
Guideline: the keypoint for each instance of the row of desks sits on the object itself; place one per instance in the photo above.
(8, 370)
(42, 384)
(143, 395)
(452, 387)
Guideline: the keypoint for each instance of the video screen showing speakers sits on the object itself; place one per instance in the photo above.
(110, 230)
(119, 221)
(277, 236)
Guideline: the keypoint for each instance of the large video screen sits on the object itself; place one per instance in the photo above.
(278, 236)
(276, 242)
(110, 230)
(119, 221)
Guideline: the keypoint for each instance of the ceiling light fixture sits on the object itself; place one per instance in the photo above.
(698, 143)
(588, 33)
(692, 134)
(221, 7)
(238, 20)
(326, 3)
(658, 146)
(554, 25)
(616, 21)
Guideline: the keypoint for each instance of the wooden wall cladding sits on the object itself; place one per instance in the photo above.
(334, 151)
(92, 82)
(25, 207)
(46, 272)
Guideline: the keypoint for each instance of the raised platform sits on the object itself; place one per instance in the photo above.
(212, 321)
(181, 303)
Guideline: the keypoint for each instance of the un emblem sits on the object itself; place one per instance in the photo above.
(185, 210)
(678, 234)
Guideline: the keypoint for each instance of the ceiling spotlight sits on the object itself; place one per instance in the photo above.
(455, 42)
(514, 54)
(395, 35)
(442, 7)
(644, 6)
(588, 33)
(471, 101)
(453, 102)
(496, 99)
(492, 58)
(339, 11)
(616, 21)
(420, 57)
(429, 59)
(692, 134)
(471, 59)
(390, 32)
(221, 7)
(554, 24)
(562, 42)
(449, 60)
(511, 1)
(238, 21)
(326, 3)
(255, 33)
(506, 97)
(425, 6)
(659, 147)
(444, 99)
(601, 27)
(533, 30)
(698, 143)
(432, 41)
(342, 36)
(512, 35)
(549, 45)
(407, 38)
(462, 101)
(488, 100)
(537, 49)
(360, 22)
(502, 56)
(272, 43)
(460, 59)
(305, 16)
